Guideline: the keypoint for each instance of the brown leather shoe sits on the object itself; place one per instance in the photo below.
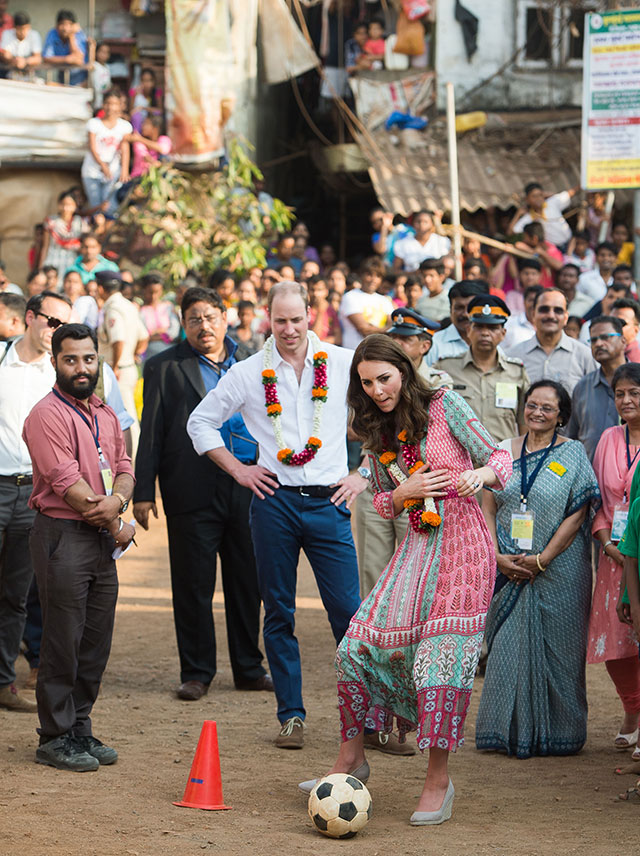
(291, 734)
(387, 743)
(11, 699)
(264, 683)
(192, 690)
(32, 680)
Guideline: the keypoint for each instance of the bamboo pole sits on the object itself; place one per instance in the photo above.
(490, 242)
(453, 179)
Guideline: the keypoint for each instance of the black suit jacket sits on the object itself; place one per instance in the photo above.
(173, 388)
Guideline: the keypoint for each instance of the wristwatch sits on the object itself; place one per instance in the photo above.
(364, 472)
(124, 503)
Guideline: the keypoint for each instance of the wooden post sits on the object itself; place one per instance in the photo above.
(608, 208)
(453, 179)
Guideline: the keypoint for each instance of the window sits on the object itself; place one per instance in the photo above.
(550, 33)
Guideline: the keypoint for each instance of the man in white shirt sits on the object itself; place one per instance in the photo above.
(21, 48)
(593, 284)
(520, 327)
(302, 488)
(425, 244)
(452, 341)
(6, 286)
(548, 211)
(363, 310)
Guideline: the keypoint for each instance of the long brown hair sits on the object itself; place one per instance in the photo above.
(377, 430)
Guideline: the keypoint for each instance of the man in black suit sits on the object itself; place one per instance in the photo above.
(207, 511)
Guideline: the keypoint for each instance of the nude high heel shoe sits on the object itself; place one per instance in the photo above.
(433, 818)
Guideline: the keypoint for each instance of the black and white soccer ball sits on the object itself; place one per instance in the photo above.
(339, 805)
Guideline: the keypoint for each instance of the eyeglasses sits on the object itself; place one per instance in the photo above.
(632, 393)
(604, 337)
(557, 310)
(52, 322)
(543, 408)
(210, 320)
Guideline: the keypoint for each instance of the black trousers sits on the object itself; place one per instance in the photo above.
(196, 538)
(78, 589)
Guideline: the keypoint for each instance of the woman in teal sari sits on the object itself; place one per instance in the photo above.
(534, 696)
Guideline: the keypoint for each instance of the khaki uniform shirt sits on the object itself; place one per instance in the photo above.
(434, 378)
(496, 396)
(122, 323)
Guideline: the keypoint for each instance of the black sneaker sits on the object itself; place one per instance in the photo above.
(93, 746)
(64, 753)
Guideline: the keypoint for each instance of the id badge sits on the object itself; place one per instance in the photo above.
(619, 524)
(107, 480)
(522, 529)
(507, 395)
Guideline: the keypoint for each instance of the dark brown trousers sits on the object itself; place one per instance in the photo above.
(78, 589)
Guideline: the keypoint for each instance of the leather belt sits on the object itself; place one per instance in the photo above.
(19, 479)
(317, 491)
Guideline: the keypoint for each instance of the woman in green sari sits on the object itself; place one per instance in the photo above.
(534, 697)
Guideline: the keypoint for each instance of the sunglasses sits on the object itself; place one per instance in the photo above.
(557, 310)
(52, 322)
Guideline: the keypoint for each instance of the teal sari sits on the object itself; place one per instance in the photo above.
(534, 699)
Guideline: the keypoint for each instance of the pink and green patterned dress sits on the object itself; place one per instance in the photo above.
(412, 648)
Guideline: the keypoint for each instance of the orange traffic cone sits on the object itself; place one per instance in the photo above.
(204, 785)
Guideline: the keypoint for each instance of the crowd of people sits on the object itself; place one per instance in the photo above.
(451, 415)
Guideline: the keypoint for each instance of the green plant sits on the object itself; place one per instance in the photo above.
(204, 221)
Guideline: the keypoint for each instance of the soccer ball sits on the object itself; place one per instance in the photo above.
(339, 805)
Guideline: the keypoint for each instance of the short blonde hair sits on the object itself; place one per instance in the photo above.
(287, 286)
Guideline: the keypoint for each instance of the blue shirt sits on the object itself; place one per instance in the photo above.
(446, 343)
(55, 46)
(234, 432)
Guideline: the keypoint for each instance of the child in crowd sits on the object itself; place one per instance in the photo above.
(144, 99)
(579, 252)
(374, 46)
(413, 291)
(573, 326)
(100, 75)
(355, 58)
(323, 318)
(620, 238)
(244, 332)
(35, 251)
(149, 146)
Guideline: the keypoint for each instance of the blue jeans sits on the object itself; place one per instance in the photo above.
(282, 525)
(99, 190)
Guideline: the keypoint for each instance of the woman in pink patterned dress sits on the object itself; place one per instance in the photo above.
(411, 650)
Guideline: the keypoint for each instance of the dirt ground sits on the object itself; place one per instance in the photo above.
(503, 806)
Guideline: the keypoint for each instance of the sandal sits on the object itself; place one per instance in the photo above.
(630, 795)
(625, 741)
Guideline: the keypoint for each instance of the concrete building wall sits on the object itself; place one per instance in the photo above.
(499, 35)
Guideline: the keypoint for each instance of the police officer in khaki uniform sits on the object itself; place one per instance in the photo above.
(414, 334)
(120, 336)
(492, 383)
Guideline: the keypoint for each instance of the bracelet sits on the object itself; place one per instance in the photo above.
(604, 549)
(120, 521)
(540, 567)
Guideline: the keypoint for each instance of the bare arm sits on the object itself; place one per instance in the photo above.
(125, 154)
(507, 564)
(363, 327)
(604, 535)
(116, 352)
(46, 238)
(562, 539)
(94, 154)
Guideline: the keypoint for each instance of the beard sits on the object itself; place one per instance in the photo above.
(80, 389)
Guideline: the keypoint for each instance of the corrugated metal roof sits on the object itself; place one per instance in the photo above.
(494, 165)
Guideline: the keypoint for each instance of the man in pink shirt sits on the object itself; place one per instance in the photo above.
(82, 482)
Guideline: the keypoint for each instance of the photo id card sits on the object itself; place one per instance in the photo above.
(507, 395)
(522, 529)
(107, 480)
(619, 523)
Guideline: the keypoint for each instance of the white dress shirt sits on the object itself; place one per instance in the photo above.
(241, 390)
(593, 286)
(22, 385)
(556, 228)
(412, 252)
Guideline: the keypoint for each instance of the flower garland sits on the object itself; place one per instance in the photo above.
(423, 515)
(274, 408)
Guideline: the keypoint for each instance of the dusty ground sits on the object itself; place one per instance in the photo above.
(503, 806)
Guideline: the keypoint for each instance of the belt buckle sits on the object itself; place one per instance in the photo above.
(302, 493)
(22, 479)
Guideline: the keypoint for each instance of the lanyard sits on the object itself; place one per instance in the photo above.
(96, 436)
(630, 461)
(527, 484)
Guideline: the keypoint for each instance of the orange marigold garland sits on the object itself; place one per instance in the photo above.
(422, 513)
